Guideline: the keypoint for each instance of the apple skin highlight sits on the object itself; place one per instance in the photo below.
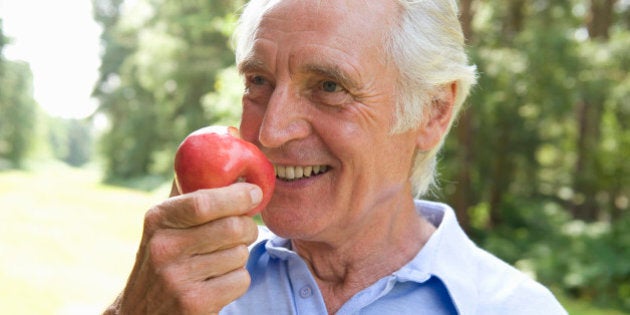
(215, 156)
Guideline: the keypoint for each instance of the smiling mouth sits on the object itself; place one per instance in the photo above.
(289, 173)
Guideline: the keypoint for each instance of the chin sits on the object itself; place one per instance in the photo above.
(289, 223)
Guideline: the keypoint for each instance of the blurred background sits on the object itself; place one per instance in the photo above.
(96, 96)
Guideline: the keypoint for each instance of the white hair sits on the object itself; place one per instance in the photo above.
(243, 38)
(426, 43)
(428, 47)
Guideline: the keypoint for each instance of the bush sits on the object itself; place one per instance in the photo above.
(589, 261)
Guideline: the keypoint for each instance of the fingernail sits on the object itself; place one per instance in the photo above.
(256, 195)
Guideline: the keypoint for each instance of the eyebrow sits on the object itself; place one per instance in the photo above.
(251, 65)
(333, 72)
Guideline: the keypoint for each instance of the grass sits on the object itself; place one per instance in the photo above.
(67, 242)
(578, 307)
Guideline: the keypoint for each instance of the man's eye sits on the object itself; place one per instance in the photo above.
(258, 80)
(330, 86)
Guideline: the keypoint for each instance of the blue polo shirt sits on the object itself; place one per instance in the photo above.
(450, 275)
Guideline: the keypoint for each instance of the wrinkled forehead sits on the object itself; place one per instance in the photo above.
(354, 20)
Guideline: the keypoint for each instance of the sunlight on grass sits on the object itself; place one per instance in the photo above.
(67, 243)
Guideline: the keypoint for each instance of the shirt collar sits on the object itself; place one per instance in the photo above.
(447, 256)
(280, 248)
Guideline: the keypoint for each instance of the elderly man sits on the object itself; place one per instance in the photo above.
(355, 97)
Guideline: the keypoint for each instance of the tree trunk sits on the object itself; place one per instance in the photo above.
(462, 196)
(513, 23)
(589, 114)
(466, 17)
(502, 172)
(501, 175)
(600, 18)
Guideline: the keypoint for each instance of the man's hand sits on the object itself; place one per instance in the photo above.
(193, 252)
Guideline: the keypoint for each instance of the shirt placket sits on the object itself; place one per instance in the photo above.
(306, 294)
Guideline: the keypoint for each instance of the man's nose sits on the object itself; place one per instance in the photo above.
(285, 118)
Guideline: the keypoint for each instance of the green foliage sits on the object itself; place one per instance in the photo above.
(18, 113)
(549, 181)
(3, 42)
(550, 178)
(588, 260)
(26, 132)
(158, 73)
(221, 102)
(70, 140)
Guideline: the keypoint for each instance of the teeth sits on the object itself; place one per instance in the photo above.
(297, 172)
(290, 172)
(308, 170)
(281, 171)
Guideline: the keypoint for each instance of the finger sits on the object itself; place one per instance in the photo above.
(205, 297)
(206, 205)
(223, 233)
(207, 266)
(227, 288)
(169, 245)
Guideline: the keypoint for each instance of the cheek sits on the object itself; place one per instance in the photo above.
(251, 119)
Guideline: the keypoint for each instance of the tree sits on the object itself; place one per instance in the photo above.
(589, 111)
(18, 110)
(3, 42)
(462, 196)
(161, 59)
(538, 159)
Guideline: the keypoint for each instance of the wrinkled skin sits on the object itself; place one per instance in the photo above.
(192, 253)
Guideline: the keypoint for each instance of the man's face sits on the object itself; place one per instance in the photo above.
(320, 94)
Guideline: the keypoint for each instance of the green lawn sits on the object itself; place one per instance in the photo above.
(575, 307)
(67, 242)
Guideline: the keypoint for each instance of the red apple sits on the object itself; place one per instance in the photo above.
(216, 156)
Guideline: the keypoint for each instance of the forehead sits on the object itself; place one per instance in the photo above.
(362, 13)
(352, 30)
(344, 21)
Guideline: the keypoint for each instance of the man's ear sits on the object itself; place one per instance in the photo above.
(437, 117)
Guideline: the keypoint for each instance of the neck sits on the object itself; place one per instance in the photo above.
(354, 259)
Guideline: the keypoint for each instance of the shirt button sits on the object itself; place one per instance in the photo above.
(306, 291)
